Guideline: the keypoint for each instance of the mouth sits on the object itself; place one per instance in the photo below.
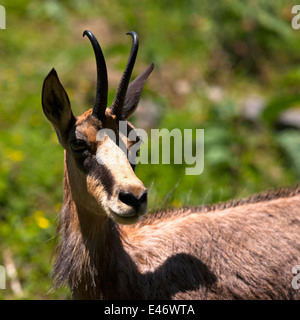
(130, 217)
(127, 218)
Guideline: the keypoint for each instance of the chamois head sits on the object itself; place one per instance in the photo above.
(100, 176)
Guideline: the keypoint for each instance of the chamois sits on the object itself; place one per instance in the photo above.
(110, 249)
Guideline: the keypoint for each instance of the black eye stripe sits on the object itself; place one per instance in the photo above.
(101, 173)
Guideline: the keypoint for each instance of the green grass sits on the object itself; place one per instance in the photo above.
(243, 48)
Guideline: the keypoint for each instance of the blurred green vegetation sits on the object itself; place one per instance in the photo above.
(210, 56)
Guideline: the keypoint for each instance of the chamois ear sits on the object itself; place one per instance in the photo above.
(56, 105)
(134, 92)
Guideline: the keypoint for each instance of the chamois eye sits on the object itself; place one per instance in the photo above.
(78, 145)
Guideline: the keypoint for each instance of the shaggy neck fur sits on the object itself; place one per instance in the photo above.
(88, 250)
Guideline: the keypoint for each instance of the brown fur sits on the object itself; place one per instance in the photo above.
(239, 250)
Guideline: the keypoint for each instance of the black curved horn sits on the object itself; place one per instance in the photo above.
(118, 102)
(102, 82)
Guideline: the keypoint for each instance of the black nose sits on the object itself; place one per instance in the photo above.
(131, 200)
